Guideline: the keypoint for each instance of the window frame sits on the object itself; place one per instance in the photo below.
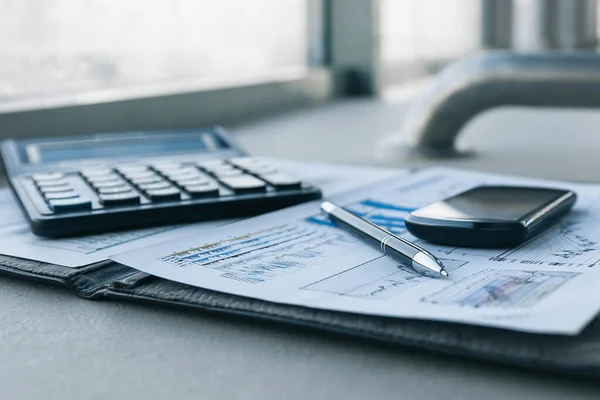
(494, 33)
(342, 61)
(181, 110)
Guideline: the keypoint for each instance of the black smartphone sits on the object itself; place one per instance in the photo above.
(490, 216)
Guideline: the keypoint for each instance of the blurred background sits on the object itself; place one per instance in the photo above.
(54, 46)
(276, 69)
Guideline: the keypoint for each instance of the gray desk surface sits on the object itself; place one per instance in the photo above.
(57, 346)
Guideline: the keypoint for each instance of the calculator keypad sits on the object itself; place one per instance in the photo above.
(168, 181)
(58, 193)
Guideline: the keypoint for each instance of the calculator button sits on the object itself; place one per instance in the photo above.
(225, 173)
(262, 169)
(186, 176)
(164, 194)
(254, 165)
(49, 184)
(109, 184)
(88, 173)
(62, 205)
(61, 195)
(224, 167)
(243, 184)
(103, 178)
(56, 189)
(114, 190)
(181, 171)
(154, 186)
(210, 163)
(186, 170)
(119, 199)
(196, 180)
(139, 174)
(147, 180)
(205, 190)
(281, 181)
(166, 166)
(131, 168)
(245, 161)
(47, 177)
(168, 172)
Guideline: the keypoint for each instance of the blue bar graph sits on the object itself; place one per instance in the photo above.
(385, 206)
(386, 215)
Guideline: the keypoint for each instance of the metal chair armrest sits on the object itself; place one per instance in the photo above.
(495, 79)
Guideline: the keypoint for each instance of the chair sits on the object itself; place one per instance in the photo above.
(489, 80)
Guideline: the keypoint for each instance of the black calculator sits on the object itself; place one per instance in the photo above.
(107, 182)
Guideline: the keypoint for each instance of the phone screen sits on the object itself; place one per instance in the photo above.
(491, 202)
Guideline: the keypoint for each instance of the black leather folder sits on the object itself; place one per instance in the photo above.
(108, 280)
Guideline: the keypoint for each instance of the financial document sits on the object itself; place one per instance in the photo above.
(295, 256)
(17, 240)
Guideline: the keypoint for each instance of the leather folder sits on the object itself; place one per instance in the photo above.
(111, 281)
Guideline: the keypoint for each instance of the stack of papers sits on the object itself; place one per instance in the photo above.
(295, 256)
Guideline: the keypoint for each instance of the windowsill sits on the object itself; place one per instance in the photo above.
(160, 108)
(149, 90)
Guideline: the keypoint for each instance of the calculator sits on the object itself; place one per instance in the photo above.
(115, 181)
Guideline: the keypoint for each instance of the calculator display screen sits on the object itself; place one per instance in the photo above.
(115, 147)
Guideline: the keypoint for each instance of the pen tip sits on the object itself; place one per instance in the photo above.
(443, 273)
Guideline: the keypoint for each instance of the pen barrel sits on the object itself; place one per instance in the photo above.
(397, 248)
(394, 246)
(373, 235)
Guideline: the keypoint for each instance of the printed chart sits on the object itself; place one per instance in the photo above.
(267, 254)
(569, 244)
(453, 251)
(491, 288)
(95, 243)
(380, 278)
(388, 216)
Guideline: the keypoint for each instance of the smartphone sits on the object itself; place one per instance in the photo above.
(490, 216)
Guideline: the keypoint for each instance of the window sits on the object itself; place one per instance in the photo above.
(50, 47)
(417, 36)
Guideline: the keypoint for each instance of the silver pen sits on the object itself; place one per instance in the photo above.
(400, 249)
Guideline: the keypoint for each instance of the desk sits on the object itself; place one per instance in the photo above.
(57, 346)
(538, 141)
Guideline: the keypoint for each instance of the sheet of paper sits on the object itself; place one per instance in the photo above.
(17, 240)
(295, 256)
